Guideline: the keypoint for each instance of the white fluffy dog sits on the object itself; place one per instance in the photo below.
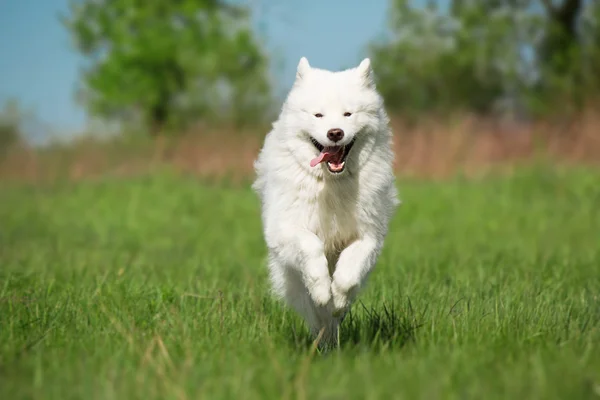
(325, 179)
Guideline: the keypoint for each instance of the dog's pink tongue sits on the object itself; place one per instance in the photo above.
(318, 160)
(325, 155)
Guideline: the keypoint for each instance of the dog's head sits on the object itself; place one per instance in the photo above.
(331, 117)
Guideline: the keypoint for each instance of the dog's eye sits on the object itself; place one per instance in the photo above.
(319, 115)
(347, 114)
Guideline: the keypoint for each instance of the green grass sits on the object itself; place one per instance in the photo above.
(156, 288)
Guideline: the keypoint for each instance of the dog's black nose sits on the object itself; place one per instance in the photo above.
(335, 135)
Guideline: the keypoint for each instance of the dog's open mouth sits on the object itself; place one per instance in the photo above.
(334, 156)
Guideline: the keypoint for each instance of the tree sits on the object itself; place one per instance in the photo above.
(538, 55)
(165, 63)
(560, 33)
(465, 58)
(11, 121)
(568, 54)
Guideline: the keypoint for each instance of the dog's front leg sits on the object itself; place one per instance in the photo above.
(303, 251)
(353, 267)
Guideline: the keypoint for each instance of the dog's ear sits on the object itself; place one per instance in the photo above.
(303, 68)
(365, 72)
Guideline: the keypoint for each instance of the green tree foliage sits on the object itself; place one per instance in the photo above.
(482, 55)
(569, 53)
(164, 63)
(460, 58)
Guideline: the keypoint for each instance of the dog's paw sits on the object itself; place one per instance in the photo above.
(343, 292)
(320, 291)
(318, 284)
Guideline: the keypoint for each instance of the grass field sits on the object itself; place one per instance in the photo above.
(155, 288)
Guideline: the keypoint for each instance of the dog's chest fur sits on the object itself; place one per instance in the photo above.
(333, 217)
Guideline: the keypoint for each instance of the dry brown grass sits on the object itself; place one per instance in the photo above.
(430, 149)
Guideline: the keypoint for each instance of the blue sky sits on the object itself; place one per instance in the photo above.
(39, 67)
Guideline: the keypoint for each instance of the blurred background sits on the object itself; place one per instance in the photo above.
(90, 87)
(132, 256)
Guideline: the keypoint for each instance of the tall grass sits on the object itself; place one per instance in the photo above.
(431, 148)
(155, 287)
